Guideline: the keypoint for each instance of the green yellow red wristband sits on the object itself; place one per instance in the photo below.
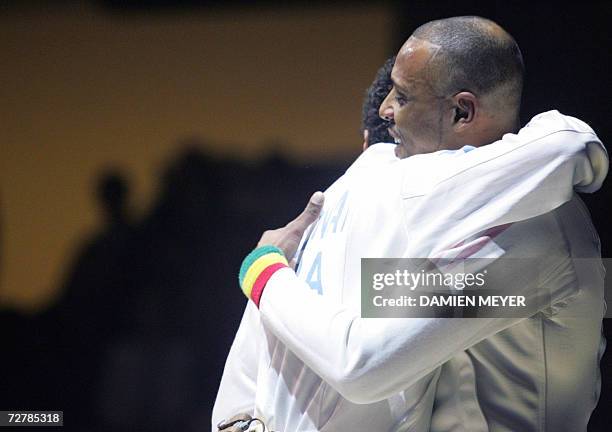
(256, 253)
(257, 268)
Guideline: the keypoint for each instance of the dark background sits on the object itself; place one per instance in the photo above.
(139, 335)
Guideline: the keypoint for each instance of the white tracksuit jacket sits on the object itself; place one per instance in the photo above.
(306, 361)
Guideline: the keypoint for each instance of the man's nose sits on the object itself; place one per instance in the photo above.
(385, 111)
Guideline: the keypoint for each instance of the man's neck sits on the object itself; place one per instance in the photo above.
(494, 131)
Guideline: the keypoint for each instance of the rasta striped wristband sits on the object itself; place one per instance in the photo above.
(257, 268)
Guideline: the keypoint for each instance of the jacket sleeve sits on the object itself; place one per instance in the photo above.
(368, 360)
(518, 177)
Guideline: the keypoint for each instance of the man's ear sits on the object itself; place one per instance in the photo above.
(366, 134)
(465, 105)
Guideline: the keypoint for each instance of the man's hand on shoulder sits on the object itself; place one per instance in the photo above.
(288, 237)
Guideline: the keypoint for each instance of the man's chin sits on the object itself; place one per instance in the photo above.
(400, 151)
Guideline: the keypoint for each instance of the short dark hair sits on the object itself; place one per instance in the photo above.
(375, 94)
(476, 55)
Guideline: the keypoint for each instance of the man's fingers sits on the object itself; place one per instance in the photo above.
(288, 237)
(310, 213)
(312, 210)
(229, 425)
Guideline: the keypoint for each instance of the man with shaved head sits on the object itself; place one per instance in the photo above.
(457, 82)
(461, 182)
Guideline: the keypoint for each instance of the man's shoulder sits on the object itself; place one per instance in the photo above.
(554, 120)
(374, 156)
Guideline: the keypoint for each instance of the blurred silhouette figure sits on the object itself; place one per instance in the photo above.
(90, 312)
(97, 278)
(112, 194)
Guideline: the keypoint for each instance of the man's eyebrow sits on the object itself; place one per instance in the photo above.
(398, 87)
